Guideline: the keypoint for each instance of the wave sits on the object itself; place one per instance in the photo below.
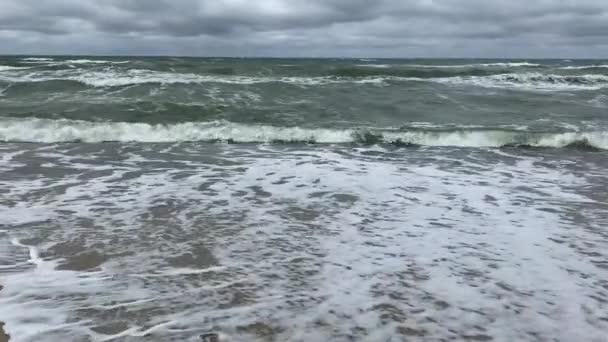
(379, 66)
(396, 72)
(53, 62)
(116, 78)
(36, 60)
(532, 81)
(585, 67)
(478, 65)
(56, 131)
(482, 78)
(456, 66)
(111, 77)
(90, 61)
(9, 68)
(514, 65)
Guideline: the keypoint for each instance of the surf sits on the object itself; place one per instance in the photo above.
(64, 131)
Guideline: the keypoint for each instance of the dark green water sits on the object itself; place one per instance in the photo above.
(158, 199)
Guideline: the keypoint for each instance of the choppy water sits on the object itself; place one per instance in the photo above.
(303, 200)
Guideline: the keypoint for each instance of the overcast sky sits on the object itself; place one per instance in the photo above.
(307, 28)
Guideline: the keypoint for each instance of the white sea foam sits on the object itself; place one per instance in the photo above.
(43, 130)
(417, 241)
(49, 131)
(24, 302)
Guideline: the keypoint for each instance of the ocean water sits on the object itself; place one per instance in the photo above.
(159, 199)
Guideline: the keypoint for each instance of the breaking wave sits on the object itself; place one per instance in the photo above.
(56, 131)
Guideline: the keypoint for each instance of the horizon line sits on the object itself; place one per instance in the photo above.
(291, 57)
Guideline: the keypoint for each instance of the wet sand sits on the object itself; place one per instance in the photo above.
(4, 337)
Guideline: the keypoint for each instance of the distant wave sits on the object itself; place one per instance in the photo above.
(455, 66)
(386, 70)
(476, 77)
(52, 62)
(477, 65)
(90, 61)
(54, 131)
(380, 66)
(584, 67)
(8, 68)
(37, 59)
(532, 81)
(115, 78)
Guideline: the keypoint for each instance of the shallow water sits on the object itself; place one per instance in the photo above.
(265, 242)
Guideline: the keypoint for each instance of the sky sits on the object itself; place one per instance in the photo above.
(308, 28)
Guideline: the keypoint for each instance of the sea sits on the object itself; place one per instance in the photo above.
(231, 199)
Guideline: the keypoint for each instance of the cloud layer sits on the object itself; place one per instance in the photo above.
(303, 28)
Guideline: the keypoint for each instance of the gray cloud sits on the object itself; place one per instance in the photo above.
(391, 28)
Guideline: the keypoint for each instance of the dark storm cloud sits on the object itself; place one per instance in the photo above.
(541, 28)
